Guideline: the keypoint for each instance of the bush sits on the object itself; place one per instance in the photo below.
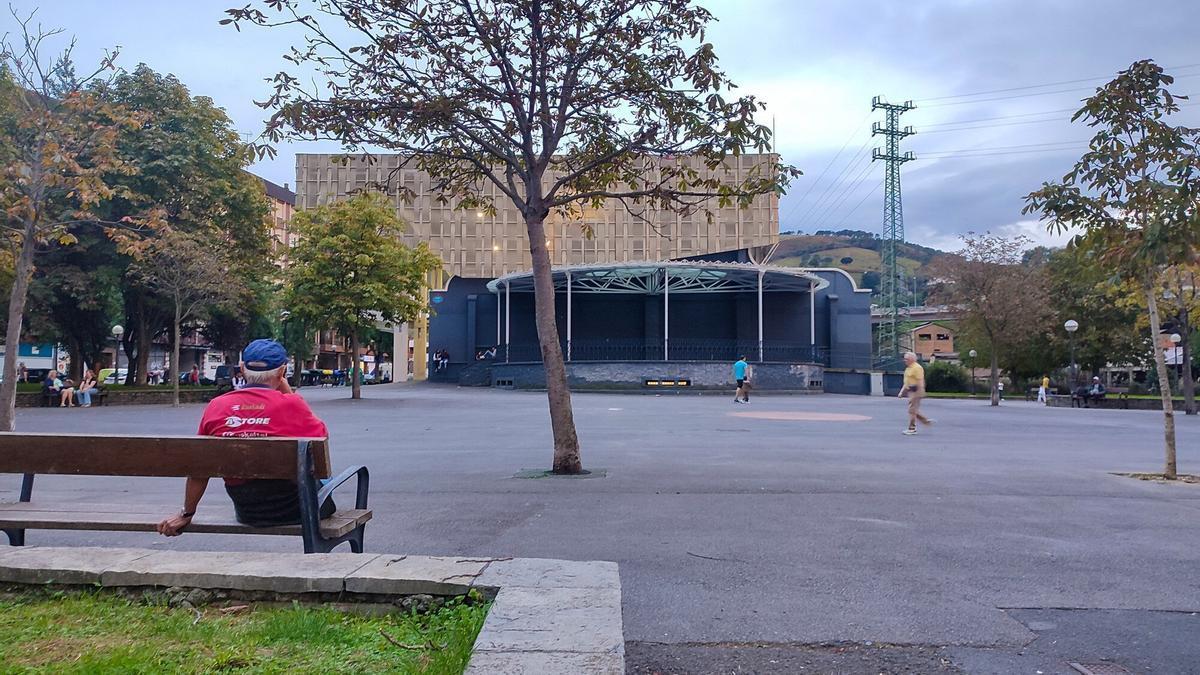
(946, 377)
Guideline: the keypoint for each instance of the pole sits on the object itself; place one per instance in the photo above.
(568, 315)
(507, 320)
(812, 319)
(1074, 374)
(117, 359)
(666, 313)
(760, 316)
(497, 317)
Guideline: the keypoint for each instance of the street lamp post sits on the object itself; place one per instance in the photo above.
(1072, 325)
(1176, 338)
(972, 354)
(117, 331)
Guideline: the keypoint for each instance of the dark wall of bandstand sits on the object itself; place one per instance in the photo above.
(465, 321)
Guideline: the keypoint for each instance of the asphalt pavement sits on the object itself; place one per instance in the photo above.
(793, 534)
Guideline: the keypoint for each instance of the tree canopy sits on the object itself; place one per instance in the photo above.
(349, 272)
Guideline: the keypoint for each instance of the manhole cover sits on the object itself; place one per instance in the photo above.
(1099, 668)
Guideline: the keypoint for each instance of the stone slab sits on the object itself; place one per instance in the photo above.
(554, 619)
(278, 572)
(530, 663)
(412, 575)
(543, 572)
(46, 565)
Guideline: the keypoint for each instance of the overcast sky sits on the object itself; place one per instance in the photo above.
(817, 65)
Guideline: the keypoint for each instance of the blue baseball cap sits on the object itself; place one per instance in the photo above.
(264, 354)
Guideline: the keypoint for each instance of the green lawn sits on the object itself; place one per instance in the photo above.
(97, 632)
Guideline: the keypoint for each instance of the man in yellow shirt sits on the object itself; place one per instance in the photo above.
(914, 389)
(1044, 391)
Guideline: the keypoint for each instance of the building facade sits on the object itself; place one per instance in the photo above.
(283, 206)
(932, 341)
(474, 244)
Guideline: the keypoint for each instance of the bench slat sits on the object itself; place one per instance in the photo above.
(135, 518)
(161, 456)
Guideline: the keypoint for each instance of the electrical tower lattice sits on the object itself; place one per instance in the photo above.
(888, 349)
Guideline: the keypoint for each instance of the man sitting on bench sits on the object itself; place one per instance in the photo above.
(265, 407)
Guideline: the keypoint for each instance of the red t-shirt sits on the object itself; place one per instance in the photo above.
(257, 411)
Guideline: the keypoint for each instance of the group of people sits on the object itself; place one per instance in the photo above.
(441, 360)
(70, 394)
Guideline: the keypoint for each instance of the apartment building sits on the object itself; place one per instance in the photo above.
(475, 244)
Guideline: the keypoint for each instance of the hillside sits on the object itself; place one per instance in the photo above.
(858, 253)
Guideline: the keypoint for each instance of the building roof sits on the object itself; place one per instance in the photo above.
(684, 277)
(279, 193)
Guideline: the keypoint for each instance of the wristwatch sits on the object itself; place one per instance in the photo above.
(186, 514)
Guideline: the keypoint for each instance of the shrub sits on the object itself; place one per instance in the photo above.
(946, 377)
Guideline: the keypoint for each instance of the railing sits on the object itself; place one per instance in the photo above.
(677, 349)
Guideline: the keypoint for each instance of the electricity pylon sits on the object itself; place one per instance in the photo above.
(893, 222)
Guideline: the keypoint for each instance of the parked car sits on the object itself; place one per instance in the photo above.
(111, 376)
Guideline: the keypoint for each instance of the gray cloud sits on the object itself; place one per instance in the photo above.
(817, 64)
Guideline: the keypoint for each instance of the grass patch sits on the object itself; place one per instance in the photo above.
(92, 631)
(1179, 478)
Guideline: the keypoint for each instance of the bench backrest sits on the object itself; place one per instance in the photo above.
(167, 456)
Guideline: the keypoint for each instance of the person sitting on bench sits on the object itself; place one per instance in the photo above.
(265, 407)
(1097, 392)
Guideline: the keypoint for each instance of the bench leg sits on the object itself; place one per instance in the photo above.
(356, 539)
(15, 537)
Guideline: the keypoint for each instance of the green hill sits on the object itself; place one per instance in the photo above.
(858, 253)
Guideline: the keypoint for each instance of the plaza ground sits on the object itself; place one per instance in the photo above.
(796, 532)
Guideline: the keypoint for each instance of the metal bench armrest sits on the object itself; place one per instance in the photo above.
(363, 486)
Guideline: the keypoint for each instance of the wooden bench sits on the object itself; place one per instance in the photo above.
(303, 460)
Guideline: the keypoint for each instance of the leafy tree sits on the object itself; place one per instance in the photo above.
(350, 272)
(557, 105)
(185, 269)
(74, 300)
(1134, 193)
(58, 152)
(1001, 300)
(191, 163)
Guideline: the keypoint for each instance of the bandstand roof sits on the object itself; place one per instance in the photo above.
(648, 278)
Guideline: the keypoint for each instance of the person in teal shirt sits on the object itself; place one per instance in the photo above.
(742, 394)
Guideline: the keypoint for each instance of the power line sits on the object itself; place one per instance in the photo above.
(855, 159)
(1010, 152)
(826, 169)
(1039, 86)
(1021, 122)
(1005, 147)
(832, 207)
(858, 205)
(1036, 93)
(1001, 117)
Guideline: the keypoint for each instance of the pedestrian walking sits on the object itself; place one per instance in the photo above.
(741, 376)
(1044, 391)
(914, 391)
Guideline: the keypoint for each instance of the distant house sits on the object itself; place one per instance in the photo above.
(932, 341)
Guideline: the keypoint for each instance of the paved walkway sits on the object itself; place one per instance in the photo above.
(816, 523)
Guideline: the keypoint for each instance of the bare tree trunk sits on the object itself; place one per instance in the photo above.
(995, 377)
(1164, 384)
(12, 340)
(355, 380)
(175, 340)
(562, 420)
(1189, 387)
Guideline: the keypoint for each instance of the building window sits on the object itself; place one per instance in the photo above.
(943, 337)
(924, 337)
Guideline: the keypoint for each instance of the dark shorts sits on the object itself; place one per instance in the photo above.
(267, 503)
(740, 383)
